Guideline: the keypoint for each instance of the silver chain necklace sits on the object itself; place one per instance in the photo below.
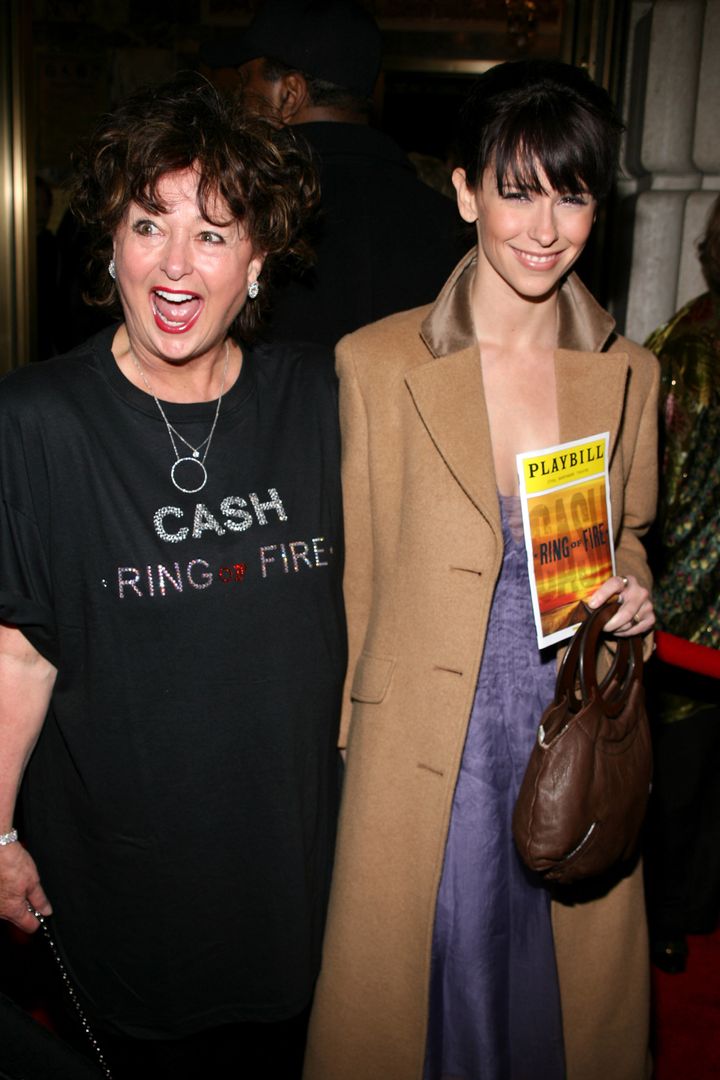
(173, 433)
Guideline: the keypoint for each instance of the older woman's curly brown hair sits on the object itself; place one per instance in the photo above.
(261, 172)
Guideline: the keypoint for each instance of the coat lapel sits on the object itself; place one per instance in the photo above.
(448, 395)
(590, 393)
(591, 381)
(448, 392)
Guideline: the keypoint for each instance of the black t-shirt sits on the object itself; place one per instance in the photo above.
(181, 800)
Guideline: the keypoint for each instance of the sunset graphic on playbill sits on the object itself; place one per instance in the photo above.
(568, 530)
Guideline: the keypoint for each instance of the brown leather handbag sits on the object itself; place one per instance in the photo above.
(583, 798)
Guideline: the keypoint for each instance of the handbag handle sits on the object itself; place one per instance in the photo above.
(568, 673)
(579, 665)
(626, 667)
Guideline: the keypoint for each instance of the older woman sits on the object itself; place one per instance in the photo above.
(172, 645)
(444, 957)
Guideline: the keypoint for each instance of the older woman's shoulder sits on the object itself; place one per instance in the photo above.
(40, 382)
(279, 362)
(308, 353)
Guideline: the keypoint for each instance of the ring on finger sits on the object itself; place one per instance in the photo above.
(636, 618)
(625, 582)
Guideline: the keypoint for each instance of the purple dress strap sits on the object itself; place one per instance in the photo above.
(494, 1001)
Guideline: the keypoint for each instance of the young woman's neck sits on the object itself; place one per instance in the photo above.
(507, 321)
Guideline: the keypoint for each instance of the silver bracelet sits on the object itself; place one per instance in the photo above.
(8, 838)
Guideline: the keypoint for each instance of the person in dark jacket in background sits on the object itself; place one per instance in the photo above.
(385, 240)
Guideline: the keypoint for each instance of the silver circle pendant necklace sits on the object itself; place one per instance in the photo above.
(183, 462)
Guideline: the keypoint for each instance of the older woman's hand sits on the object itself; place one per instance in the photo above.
(20, 889)
(635, 614)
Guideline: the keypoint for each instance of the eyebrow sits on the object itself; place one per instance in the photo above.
(136, 207)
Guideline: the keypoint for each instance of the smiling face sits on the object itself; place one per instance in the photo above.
(527, 241)
(181, 279)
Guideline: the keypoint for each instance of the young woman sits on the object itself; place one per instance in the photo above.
(444, 958)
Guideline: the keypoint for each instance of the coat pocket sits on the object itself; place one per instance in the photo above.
(372, 678)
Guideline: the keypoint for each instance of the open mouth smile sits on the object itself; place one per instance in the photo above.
(536, 261)
(175, 312)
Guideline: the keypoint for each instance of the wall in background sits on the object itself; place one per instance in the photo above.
(671, 158)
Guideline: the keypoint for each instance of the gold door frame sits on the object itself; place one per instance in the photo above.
(17, 252)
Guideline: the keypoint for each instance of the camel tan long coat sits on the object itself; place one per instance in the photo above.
(424, 550)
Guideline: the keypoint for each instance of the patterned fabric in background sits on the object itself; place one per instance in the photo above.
(687, 563)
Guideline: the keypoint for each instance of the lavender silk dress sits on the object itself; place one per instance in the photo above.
(494, 1000)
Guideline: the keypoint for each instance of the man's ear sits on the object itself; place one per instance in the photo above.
(294, 96)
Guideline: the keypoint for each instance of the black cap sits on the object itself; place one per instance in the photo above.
(334, 40)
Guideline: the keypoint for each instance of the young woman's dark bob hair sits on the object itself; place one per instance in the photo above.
(530, 114)
(260, 172)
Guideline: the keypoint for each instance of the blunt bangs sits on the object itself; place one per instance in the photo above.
(564, 147)
(525, 116)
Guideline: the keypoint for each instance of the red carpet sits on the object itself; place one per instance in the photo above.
(687, 1015)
